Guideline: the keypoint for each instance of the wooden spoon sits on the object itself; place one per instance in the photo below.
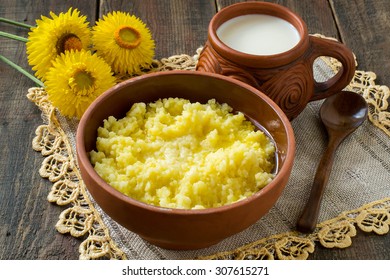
(341, 114)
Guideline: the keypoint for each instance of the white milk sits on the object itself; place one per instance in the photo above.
(258, 34)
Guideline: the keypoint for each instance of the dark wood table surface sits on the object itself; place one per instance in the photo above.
(27, 219)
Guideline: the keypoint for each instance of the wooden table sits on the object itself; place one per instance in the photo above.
(178, 26)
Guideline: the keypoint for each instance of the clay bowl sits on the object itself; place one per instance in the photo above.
(178, 228)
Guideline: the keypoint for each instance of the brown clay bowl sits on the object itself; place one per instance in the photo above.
(178, 228)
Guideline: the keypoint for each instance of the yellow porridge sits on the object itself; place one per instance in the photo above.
(177, 154)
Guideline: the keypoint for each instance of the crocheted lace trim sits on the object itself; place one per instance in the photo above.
(80, 219)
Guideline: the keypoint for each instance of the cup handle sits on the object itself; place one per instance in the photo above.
(335, 49)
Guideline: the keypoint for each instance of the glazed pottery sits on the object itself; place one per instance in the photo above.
(286, 77)
(178, 228)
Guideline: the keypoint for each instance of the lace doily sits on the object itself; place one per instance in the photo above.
(82, 220)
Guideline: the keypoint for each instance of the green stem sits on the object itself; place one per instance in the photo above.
(12, 36)
(21, 70)
(15, 23)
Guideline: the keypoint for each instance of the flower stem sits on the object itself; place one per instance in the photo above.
(21, 70)
(12, 36)
(15, 23)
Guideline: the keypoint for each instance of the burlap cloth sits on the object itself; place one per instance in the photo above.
(357, 196)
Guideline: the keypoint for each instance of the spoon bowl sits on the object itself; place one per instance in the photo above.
(346, 111)
(341, 114)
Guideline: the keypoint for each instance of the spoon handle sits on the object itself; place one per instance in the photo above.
(308, 220)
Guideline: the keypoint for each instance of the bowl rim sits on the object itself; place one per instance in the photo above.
(83, 157)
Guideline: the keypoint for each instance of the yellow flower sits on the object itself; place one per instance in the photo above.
(75, 80)
(53, 36)
(124, 42)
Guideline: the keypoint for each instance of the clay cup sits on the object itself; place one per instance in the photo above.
(286, 77)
